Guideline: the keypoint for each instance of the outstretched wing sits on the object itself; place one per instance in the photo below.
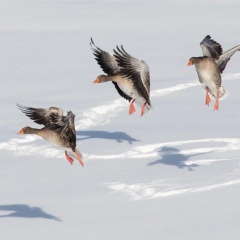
(135, 69)
(225, 57)
(211, 48)
(106, 61)
(45, 116)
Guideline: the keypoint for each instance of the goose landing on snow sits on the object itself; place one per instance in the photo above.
(210, 66)
(58, 130)
(129, 75)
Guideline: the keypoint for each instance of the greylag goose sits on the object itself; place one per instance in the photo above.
(210, 66)
(58, 130)
(129, 75)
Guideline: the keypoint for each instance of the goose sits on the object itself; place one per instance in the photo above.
(58, 130)
(210, 66)
(129, 75)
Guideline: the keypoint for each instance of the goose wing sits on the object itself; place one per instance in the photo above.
(106, 61)
(225, 57)
(134, 69)
(211, 48)
(44, 116)
(66, 129)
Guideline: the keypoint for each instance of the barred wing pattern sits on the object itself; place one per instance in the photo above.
(109, 65)
(135, 69)
(44, 116)
(225, 57)
(106, 61)
(211, 48)
(65, 126)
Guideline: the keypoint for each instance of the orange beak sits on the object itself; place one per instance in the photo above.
(190, 63)
(96, 81)
(21, 132)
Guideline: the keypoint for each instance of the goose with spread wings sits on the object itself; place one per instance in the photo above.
(58, 130)
(129, 75)
(210, 66)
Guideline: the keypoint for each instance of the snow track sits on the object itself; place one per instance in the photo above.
(102, 115)
(182, 154)
(96, 116)
(146, 151)
(141, 191)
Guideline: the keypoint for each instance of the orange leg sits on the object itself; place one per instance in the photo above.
(131, 107)
(216, 106)
(78, 156)
(208, 100)
(68, 157)
(143, 109)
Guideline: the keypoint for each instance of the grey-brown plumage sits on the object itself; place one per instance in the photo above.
(58, 130)
(212, 49)
(210, 66)
(129, 75)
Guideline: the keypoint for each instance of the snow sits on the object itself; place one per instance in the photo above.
(172, 174)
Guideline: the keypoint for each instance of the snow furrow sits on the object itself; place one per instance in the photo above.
(145, 151)
(143, 191)
(102, 115)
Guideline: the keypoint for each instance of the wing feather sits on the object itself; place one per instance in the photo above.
(106, 61)
(210, 47)
(44, 116)
(66, 128)
(134, 69)
(225, 57)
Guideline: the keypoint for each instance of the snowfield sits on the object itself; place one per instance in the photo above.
(173, 174)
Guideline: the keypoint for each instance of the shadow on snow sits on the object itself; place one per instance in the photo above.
(25, 211)
(172, 156)
(118, 136)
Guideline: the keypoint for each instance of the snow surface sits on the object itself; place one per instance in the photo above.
(172, 174)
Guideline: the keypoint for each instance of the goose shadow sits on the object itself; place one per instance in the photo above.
(118, 136)
(25, 211)
(172, 156)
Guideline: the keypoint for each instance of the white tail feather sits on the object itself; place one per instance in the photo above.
(223, 93)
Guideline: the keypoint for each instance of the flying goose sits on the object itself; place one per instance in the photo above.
(129, 75)
(210, 66)
(58, 130)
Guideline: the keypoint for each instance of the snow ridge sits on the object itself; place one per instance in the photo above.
(102, 115)
(146, 151)
(143, 191)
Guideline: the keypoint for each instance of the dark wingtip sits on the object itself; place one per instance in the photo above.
(92, 41)
(119, 49)
(94, 47)
(23, 109)
(70, 113)
(124, 50)
(20, 107)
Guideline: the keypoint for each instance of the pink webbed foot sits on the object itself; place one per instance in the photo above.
(143, 109)
(131, 107)
(208, 100)
(68, 157)
(79, 158)
(216, 106)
